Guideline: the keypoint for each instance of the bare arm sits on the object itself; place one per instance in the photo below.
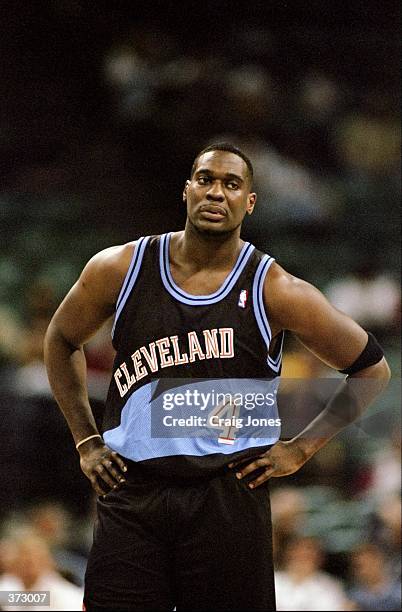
(87, 306)
(337, 340)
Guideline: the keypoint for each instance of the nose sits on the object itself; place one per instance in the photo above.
(215, 193)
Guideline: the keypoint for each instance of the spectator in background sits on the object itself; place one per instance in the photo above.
(40, 304)
(370, 296)
(386, 468)
(252, 101)
(6, 555)
(369, 141)
(9, 337)
(372, 587)
(30, 567)
(318, 104)
(131, 79)
(302, 585)
(51, 522)
(288, 507)
(297, 197)
(384, 530)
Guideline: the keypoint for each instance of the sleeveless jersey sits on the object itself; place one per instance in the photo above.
(168, 340)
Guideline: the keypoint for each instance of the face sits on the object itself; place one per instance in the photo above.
(218, 195)
(32, 560)
(304, 553)
(367, 566)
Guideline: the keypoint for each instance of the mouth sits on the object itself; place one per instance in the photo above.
(213, 212)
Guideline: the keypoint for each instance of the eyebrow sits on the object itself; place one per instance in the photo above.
(227, 175)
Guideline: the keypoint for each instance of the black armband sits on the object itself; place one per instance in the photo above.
(371, 354)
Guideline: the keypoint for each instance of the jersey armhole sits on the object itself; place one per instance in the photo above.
(130, 278)
(260, 314)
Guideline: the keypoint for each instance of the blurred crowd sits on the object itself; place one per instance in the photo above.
(113, 118)
(44, 548)
(337, 522)
(113, 132)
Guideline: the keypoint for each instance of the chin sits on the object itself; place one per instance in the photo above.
(212, 229)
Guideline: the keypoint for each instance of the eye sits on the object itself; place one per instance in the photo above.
(232, 185)
(203, 180)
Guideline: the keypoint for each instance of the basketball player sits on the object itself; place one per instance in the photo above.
(185, 521)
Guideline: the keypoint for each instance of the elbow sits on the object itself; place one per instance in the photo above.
(385, 371)
(372, 381)
(55, 342)
(380, 372)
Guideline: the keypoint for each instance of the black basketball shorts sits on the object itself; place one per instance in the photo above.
(204, 545)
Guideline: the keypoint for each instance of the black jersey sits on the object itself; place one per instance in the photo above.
(169, 340)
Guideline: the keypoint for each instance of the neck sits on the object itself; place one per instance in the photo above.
(29, 583)
(203, 249)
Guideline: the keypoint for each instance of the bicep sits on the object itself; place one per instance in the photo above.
(327, 332)
(330, 334)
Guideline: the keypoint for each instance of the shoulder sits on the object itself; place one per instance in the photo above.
(279, 282)
(284, 292)
(105, 272)
(113, 260)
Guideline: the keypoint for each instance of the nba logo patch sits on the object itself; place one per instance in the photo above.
(243, 298)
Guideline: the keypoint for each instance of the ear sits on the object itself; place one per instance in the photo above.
(251, 200)
(185, 191)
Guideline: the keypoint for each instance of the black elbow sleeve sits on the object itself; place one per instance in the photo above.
(370, 355)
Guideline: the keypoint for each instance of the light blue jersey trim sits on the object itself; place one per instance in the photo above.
(131, 277)
(275, 364)
(200, 300)
(258, 300)
(259, 311)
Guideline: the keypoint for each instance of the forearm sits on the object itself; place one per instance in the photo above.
(66, 369)
(350, 401)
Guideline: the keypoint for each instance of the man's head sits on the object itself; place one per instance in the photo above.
(303, 556)
(218, 194)
(367, 563)
(28, 558)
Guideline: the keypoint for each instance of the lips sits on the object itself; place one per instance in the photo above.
(213, 212)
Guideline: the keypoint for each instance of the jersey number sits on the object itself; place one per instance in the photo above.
(225, 417)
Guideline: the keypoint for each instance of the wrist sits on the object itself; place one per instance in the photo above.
(307, 446)
(89, 443)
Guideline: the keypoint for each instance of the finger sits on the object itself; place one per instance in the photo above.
(116, 474)
(96, 486)
(236, 463)
(240, 461)
(266, 475)
(259, 463)
(104, 475)
(119, 461)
